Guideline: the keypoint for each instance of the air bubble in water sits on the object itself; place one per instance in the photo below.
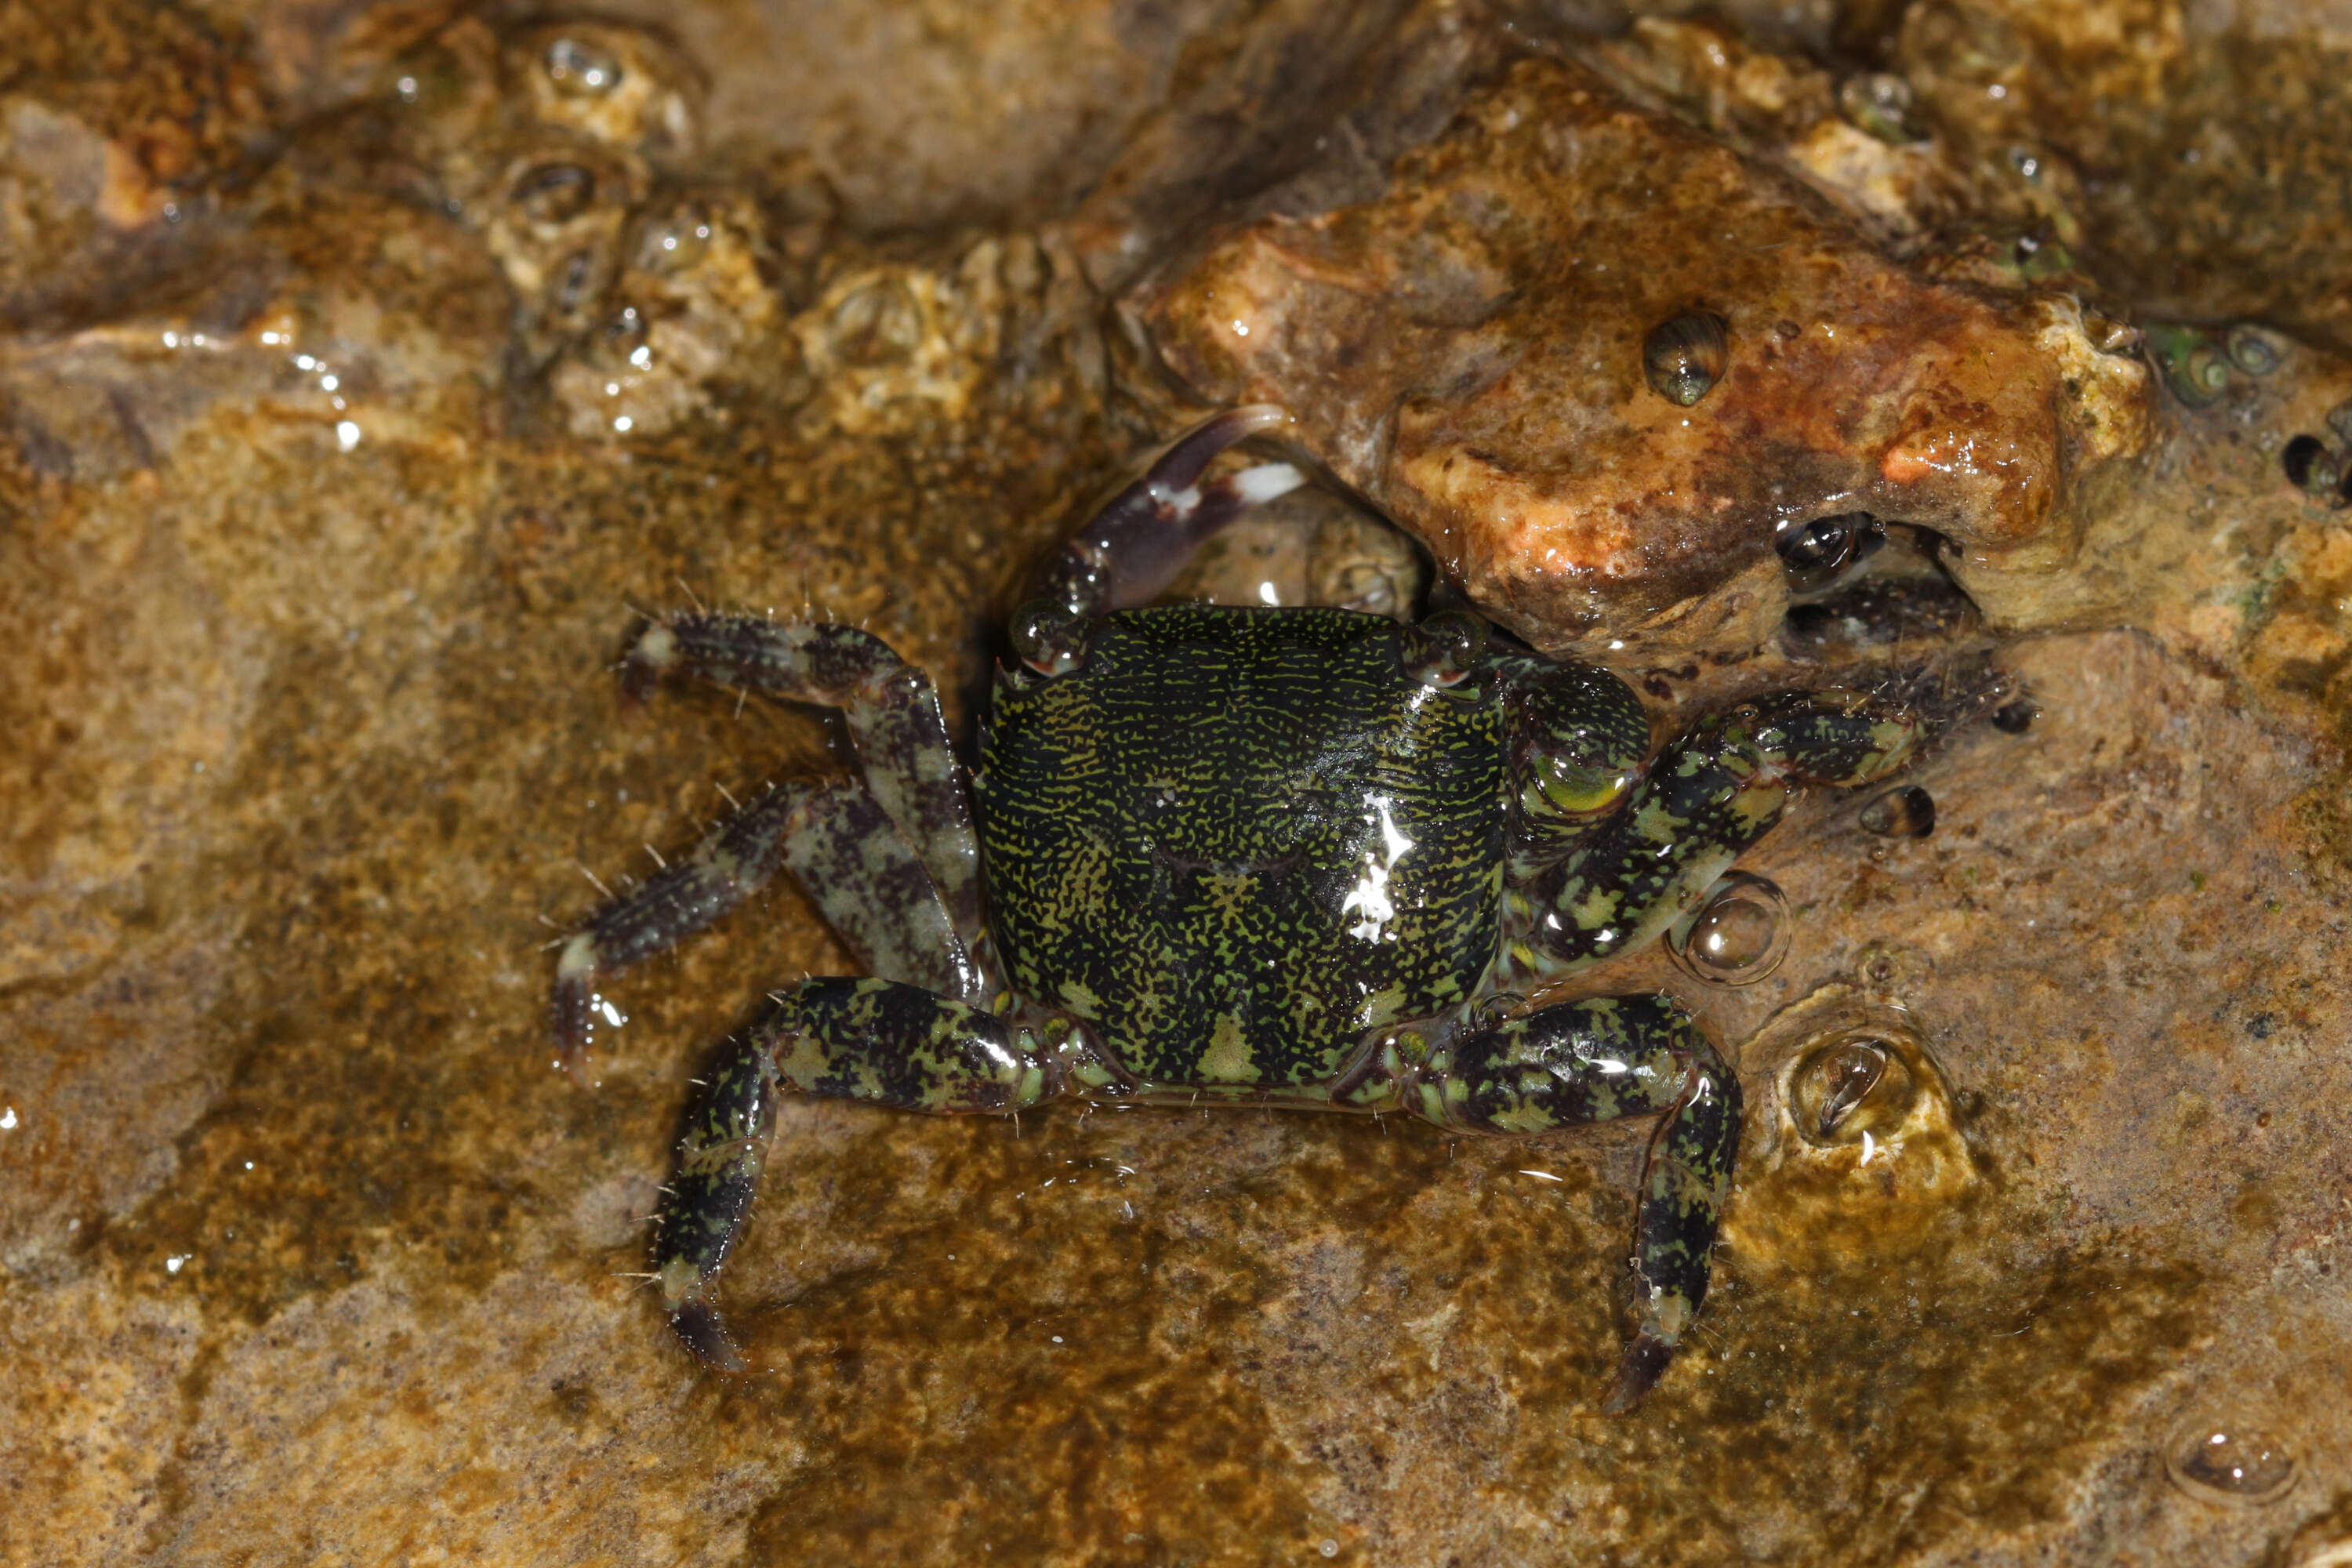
(2229, 1461)
(1738, 935)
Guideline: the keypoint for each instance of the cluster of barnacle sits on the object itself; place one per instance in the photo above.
(568, 148)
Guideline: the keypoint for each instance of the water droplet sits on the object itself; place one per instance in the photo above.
(1329, 1548)
(1683, 358)
(579, 70)
(2229, 1462)
(1905, 813)
(1738, 935)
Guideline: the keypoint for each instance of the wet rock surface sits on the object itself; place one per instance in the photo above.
(1600, 364)
(320, 537)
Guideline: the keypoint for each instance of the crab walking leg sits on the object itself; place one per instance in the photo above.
(1134, 547)
(886, 1044)
(892, 708)
(726, 867)
(846, 853)
(1582, 1062)
(1706, 799)
(843, 850)
(710, 1196)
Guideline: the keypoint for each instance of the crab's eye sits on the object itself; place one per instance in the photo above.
(1580, 736)
(1048, 639)
(1561, 786)
(1443, 649)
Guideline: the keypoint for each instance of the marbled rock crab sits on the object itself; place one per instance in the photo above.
(1274, 857)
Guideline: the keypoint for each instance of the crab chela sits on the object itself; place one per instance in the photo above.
(1300, 856)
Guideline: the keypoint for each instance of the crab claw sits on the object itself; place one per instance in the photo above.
(1638, 1371)
(697, 1323)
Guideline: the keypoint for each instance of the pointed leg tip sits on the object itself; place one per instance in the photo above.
(698, 1323)
(571, 1022)
(1638, 1371)
(651, 658)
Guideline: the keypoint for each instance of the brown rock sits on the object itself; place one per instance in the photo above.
(1465, 348)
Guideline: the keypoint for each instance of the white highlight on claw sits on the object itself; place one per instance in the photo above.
(1868, 1148)
(173, 1265)
(1258, 485)
(347, 434)
(1265, 592)
(1372, 891)
(8, 1119)
(1545, 1175)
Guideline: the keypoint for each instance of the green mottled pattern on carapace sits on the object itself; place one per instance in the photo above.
(1233, 840)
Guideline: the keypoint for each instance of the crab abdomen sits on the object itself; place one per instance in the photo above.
(1234, 840)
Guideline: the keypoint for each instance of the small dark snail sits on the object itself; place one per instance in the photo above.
(1905, 813)
(1817, 550)
(2310, 466)
(1684, 357)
